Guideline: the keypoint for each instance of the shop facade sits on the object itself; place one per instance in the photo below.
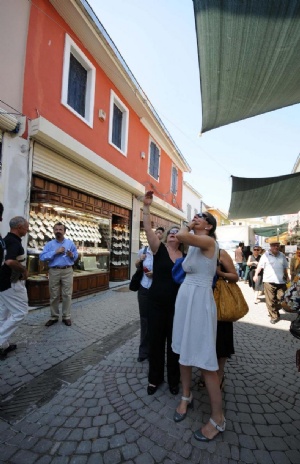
(102, 218)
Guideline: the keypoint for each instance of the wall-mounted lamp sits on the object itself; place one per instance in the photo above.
(102, 115)
(143, 155)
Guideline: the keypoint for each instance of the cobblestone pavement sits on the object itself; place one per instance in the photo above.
(104, 415)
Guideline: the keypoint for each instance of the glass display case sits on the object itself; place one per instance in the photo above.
(92, 238)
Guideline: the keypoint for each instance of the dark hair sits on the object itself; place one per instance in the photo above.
(60, 224)
(1, 210)
(160, 228)
(213, 222)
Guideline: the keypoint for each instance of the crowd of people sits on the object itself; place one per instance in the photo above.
(179, 321)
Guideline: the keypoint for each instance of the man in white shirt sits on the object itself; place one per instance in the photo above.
(275, 277)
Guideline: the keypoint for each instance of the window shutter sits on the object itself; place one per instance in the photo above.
(77, 86)
(117, 127)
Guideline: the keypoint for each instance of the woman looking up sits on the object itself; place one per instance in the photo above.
(161, 299)
(195, 321)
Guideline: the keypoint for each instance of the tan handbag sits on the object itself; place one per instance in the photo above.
(230, 302)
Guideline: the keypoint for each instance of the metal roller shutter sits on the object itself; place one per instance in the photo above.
(59, 168)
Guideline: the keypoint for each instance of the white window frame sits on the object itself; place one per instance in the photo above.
(174, 167)
(72, 48)
(149, 158)
(115, 100)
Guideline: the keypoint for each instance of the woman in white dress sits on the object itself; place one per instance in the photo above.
(195, 321)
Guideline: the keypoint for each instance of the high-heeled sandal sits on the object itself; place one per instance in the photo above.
(178, 417)
(220, 428)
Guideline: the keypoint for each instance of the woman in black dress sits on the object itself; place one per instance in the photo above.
(161, 299)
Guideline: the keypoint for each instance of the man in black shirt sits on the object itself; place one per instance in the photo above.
(13, 293)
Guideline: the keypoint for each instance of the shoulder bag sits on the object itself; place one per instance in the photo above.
(230, 302)
(135, 282)
(178, 273)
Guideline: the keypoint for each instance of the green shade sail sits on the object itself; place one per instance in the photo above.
(248, 57)
(271, 231)
(270, 196)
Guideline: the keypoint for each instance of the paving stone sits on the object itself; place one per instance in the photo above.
(130, 451)
(78, 460)
(117, 441)
(144, 444)
(279, 457)
(68, 448)
(100, 445)
(76, 435)
(274, 444)
(95, 459)
(84, 447)
(145, 458)
(107, 430)
(43, 446)
(44, 460)
(24, 457)
(112, 457)
(262, 457)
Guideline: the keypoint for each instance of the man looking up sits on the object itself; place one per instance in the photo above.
(13, 293)
(60, 253)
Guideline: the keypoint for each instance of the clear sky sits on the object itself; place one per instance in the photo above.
(157, 39)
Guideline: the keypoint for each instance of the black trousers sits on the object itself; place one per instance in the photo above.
(160, 324)
(143, 309)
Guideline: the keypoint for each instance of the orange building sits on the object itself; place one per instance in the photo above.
(92, 145)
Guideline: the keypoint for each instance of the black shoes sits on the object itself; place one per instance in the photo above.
(174, 389)
(51, 322)
(140, 359)
(151, 389)
(4, 351)
(67, 322)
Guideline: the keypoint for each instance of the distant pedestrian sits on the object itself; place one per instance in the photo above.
(239, 258)
(13, 293)
(252, 262)
(60, 254)
(275, 277)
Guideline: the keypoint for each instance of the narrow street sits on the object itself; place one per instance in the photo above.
(76, 395)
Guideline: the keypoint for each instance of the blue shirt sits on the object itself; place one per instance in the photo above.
(61, 259)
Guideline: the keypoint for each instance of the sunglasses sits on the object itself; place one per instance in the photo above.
(203, 216)
(173, 231)
(256, 249)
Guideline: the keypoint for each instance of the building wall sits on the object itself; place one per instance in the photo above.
(42, 96)
(14, 16)
(191, 198)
